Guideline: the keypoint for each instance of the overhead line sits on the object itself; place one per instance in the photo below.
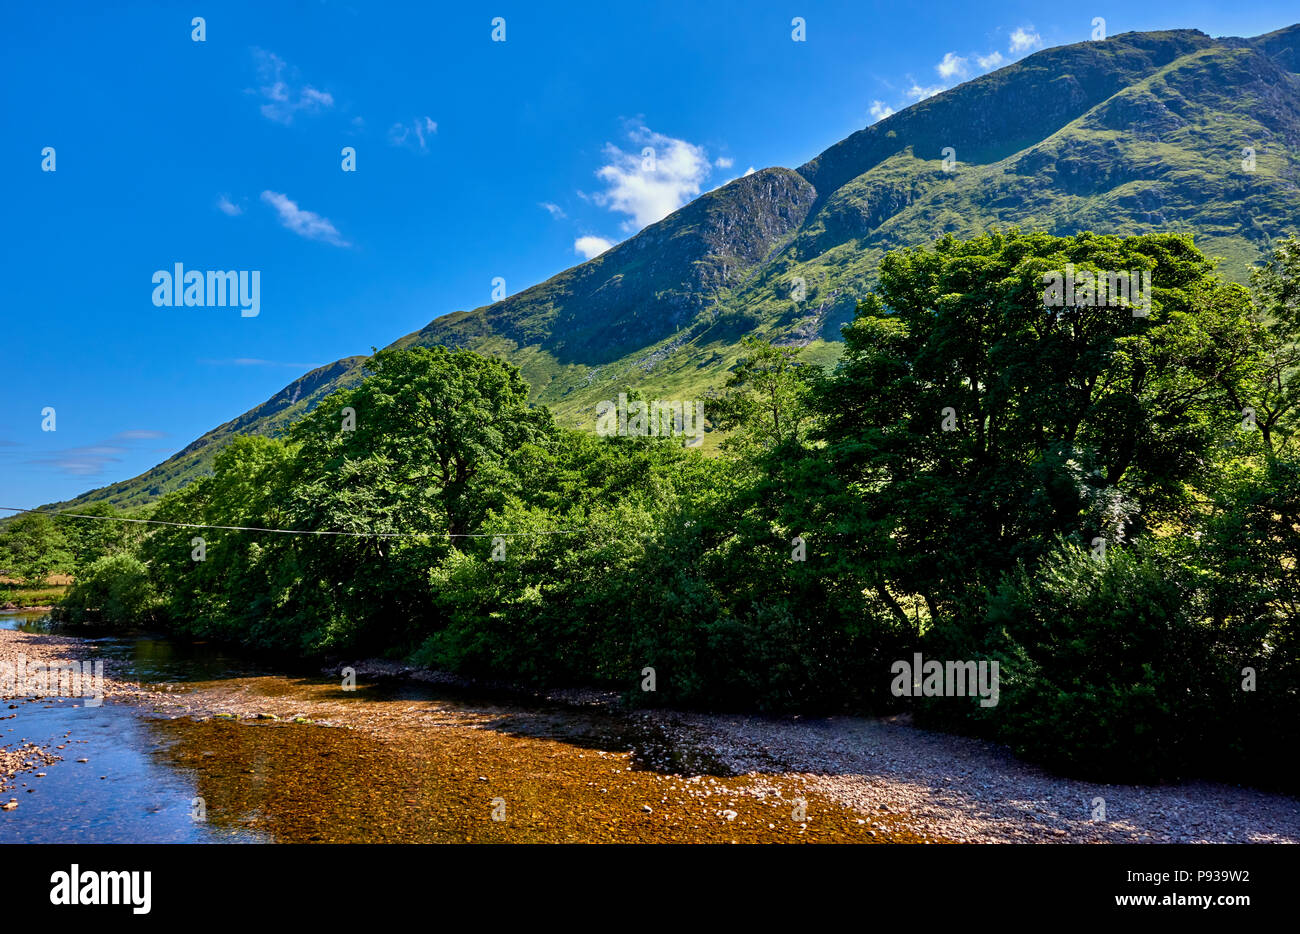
(253, 528)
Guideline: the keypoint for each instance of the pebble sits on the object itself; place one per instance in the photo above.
(944, 786)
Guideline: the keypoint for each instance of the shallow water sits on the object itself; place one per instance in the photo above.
(127, 793)
(422, 765)
(25, 620)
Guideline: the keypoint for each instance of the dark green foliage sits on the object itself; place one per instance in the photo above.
(421, 455)
(1113, 667)
(1273, 405)
(32, 547)
(563, 607)
(114, 590)
(236, 590)
(973, 424)
(1251, 551)
(92, 539)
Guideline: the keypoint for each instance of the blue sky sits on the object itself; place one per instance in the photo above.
(475, 160)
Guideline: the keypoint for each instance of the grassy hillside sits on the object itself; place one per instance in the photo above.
(1137, 133)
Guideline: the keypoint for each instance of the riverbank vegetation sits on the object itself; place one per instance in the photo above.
(14, 594)
(1106, 503)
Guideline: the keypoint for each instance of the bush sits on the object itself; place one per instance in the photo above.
(1112, 668)
(1252, 549)
(114, 590)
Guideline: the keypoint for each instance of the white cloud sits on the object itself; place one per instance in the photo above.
(226, 206)
(417, 133)
(1024, 39)
(880, 110)
(283, 97)
(591, 246)
(748, 171)
(952, 66)
(554, 210)
(918, 93)
(723, 162)
(992, 60)
(657, 177)
(303, 223)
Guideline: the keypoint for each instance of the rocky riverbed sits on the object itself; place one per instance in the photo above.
(419, 756)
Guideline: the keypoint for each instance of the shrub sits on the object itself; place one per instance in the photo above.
(114, 590)
(1112, 669)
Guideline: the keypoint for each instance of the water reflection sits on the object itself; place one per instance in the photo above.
(26, 620)
(127, 791)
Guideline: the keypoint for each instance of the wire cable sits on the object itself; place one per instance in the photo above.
(253, 528)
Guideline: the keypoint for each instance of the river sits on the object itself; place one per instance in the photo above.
(218, 747)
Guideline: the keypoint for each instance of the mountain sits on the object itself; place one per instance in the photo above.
(1137, 133)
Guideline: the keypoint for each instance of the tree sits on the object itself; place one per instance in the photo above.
(970, 424)
(33, 548)
(227, 583)
(1271, 400)
(435, 428)
(91, 539)
(115, 590)
(1111, 670)
(767, 399)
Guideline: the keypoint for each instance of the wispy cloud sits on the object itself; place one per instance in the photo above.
(723, 162)
(78, 466)
(283, 93)
(226, 206)
(416, 135)
(554, 210)
(656, 177)
(591, 246)
(1025, 39)
(304, 223)
(992, 60)
(91, 459)
(880, 110)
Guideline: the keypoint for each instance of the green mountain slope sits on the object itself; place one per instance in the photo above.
(1140, 132)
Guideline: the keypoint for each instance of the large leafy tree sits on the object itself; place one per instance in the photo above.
(228, 582)
(379, 481)
(422, 445)
(971, 423)
(412, 461)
